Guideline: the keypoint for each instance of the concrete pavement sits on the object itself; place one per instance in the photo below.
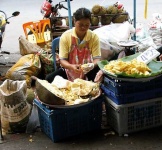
(104, 139)
(99, 140)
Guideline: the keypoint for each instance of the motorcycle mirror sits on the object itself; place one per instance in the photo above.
(16, 13)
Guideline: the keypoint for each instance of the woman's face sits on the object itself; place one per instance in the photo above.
(82, 25)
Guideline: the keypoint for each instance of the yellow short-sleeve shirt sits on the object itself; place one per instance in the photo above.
(66, 43)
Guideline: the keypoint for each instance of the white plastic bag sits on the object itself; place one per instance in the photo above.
(145, 43)
(111, 34)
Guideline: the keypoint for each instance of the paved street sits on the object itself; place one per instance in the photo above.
(30, 11)
(105, 139)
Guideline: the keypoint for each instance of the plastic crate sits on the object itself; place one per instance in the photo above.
(132, 97)
(134, 117)
(62, 123)
(124, 87)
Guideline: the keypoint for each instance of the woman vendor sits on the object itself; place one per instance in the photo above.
(78, 46)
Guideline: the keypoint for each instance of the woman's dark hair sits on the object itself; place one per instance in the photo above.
(82, 13)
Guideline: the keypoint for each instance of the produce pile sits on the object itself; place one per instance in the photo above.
(129, 67)
(113, 13)
(79, 91)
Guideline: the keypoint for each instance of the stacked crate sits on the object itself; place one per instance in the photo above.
(133, 106)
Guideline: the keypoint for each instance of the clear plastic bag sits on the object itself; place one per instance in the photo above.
(33, 122)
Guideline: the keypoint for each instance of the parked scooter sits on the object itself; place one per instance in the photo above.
(3, 21)
(50, 11)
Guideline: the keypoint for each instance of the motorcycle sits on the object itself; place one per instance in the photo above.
(50, 11)
(3, 22)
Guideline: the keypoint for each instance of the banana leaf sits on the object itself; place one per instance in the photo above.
(155, 66)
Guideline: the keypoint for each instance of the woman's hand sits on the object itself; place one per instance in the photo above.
(87, 67)
(160, 57)
(99, 77)
(76, 68)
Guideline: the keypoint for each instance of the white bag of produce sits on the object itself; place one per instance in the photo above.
(14, 109)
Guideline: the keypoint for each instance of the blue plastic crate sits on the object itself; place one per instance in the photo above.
(132, 97)
(62, 123)
(138, 116)
(126, 87)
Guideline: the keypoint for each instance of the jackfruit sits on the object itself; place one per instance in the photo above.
(106, 20)
(109, 9)
(96, 9)
(30, 95)
(120, 10)
(94, 21)
(102, 10)
(120, 19)
(114, 10)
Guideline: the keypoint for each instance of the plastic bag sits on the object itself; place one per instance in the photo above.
(47, 61)
(14, 109)
(27, 66)
(33, 122)
(111, 34)
(26, 47)
(141, 31)
(156, 35)
(145, 43)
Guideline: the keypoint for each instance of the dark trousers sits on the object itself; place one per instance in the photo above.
(61, 72)
(160, 51)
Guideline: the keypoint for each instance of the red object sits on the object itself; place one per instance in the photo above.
(46, 8)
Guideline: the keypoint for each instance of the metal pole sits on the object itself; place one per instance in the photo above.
(134, 12)
(69, 14)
